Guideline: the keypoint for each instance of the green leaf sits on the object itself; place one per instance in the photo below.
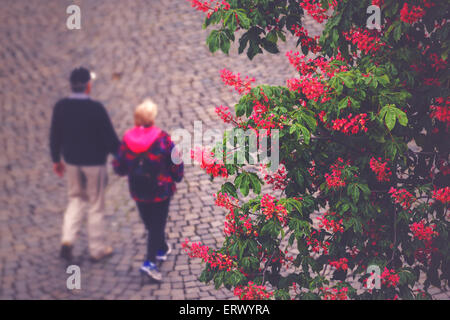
(213, 41)
(390, 114)
(230, 189)
(255, 182)
(353, 191)
(309, 120)
(306, 134)
(398, 32)
(244, 21)
(402, 118)
(390, 120)
(224, 43)
(245, 186)
(272, 36)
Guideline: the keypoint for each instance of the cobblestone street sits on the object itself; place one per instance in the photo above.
(137, 49)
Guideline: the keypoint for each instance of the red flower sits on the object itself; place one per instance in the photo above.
(402, 197)
(340, 264)
(368, 41)
(351, 125)
(252, 292)
(225, 114)
(378, 3)
(316, 245)
(210, 6)
(311, 87)
(411, 15)
(442, 195)
(310, 44)
(278, 179)
(389, 278)
(213, 258)
(234, 80)
(381, 169)
(335, 179)
(422, 232)
(334, 293)
(440, 111)
(330, 224)
(212, 165)
(270, 208)
(315, 10)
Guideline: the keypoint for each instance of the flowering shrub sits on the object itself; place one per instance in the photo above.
(364, 151)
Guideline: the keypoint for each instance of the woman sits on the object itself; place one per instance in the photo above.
(145, 155)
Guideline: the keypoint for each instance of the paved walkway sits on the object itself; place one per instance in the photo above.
(137, 48)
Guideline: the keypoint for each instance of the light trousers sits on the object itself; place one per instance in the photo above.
(86, 191)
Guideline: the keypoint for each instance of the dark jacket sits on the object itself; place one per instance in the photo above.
(158, 148)
(82, 132)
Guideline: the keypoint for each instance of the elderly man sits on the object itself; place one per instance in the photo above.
(81, 131)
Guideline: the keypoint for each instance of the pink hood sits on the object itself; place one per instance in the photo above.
(139, 139)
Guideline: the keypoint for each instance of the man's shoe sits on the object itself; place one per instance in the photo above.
(66, 252)
(107, 253)
(151, 270)
(162, 255)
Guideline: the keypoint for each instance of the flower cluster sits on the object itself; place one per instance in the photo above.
(311, 87)
(234, 80)
(232, 227)
(389, 278)
(437, 63)
(330, 224)
(316, 245)
(378, 3)
(411, 15)
(308, 43)
(442, 195)
(432, 82)
(334, 293)
(225, 114)
(313, 75)
(381, 169)
(335, 179)
(225, 201)
(210, 6)
(367, 41)
(315, 10)
(213, 258)
(340, 264)
(209, 163)
(278, 179)
(252, 292)
(402, 197)
(440, 111)
(263, 120)
(351, 125)
(422, 232)
(324, 67)
(270, 208)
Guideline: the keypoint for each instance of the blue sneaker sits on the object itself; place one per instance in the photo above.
(162, 255)
(151, 270)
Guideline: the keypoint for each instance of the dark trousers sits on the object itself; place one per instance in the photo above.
(154, 216)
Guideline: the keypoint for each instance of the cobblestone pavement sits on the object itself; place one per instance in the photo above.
(137, 48)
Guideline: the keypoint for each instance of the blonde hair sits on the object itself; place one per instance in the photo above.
(145, 113)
